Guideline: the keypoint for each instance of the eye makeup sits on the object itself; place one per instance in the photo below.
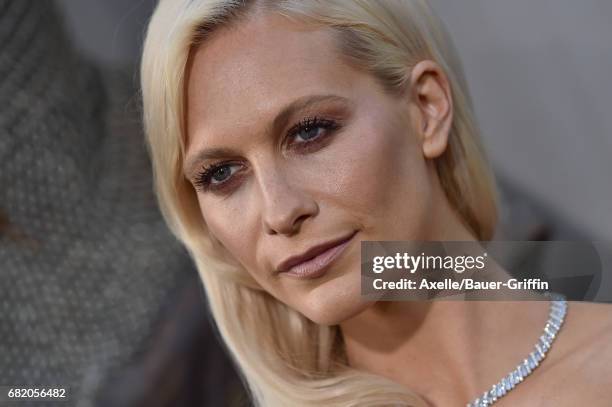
(309, 135)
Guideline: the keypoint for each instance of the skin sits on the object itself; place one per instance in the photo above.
(374, 176)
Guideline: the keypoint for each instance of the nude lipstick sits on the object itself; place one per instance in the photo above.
(315, 261)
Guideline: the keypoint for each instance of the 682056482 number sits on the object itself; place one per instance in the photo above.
(35, 392)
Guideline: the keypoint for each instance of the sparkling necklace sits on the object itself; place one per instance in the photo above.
(556, 316)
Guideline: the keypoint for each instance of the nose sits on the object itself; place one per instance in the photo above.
(286, 206)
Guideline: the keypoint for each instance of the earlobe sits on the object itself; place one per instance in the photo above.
(433, 99)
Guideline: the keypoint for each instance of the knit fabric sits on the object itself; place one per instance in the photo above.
(86, 261)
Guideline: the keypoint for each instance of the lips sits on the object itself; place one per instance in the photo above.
(313, 261)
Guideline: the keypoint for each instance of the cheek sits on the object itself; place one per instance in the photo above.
(379, 172)
(229, 225)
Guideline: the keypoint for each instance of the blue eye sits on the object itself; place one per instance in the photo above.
(221, 173)
(308, 133)
(311, 129)
(216, 175)
(307, 136)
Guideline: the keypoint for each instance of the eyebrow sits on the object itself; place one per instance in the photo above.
(279, 121)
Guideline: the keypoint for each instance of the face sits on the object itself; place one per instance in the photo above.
(293, 152)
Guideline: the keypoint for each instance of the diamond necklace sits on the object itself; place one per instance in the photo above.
(556, 316)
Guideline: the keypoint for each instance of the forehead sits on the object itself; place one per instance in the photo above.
(248, 71)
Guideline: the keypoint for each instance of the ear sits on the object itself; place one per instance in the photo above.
(432, 98)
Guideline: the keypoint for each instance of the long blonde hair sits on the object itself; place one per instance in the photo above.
(284, 358)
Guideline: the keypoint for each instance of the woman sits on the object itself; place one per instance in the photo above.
(282, 133)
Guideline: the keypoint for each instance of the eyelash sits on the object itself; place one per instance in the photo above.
(203, 179)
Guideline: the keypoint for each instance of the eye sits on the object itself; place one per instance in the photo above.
(221, 173)
(308, 133)
(311, 129)
(216, 175)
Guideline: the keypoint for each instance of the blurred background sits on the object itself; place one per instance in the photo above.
(97, 296)
(539, 73)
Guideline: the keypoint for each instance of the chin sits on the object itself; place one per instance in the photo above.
(335, 301)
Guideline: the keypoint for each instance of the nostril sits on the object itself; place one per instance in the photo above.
(300, 220)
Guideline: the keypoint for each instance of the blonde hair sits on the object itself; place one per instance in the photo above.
(286, 359)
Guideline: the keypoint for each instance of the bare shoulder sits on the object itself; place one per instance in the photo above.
(588, 328)
(579, 367)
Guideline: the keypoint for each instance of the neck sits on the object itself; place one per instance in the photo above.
(447, 351)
